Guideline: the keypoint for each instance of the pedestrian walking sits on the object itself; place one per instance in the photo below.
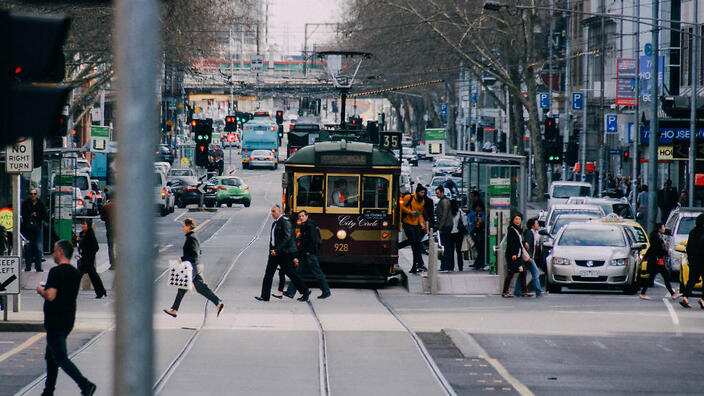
(530, 239)
(106, 215)
(478, 233)
(444, 223)
(308, 243)
(414, 225)
(460, 230)
(515, 253)
(59, 294)
(34, 215)
(191, 252)
(695, 257)
(88, 247)
(657, 257)
(282, 249)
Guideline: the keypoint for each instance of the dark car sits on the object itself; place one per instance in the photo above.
(185, 190)
(165, 154)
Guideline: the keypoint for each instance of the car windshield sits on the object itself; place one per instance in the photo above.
(564, 220)
(181, 172)
(611, 237)
(437, 181)
(263, 153)
(566, 191)
(639, 234)
(446, 163)
(233, 182)
(686, 225)
(589, 212)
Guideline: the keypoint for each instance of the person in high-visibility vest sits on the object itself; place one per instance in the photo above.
(340, 196)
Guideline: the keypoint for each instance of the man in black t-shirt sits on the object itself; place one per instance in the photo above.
(60, 293)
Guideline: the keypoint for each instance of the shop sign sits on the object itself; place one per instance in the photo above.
(665, 153)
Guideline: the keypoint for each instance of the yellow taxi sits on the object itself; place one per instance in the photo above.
(684, 268)
(635, 231)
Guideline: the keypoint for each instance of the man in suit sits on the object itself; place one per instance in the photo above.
(282, 249)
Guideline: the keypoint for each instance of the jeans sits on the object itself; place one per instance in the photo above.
(535, 279)
(448, 262)
(35, 251)
(310, 263)
(201, 288)
(57, 356)
(414, 235)
(283, 262)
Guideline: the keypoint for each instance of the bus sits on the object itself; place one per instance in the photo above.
(258, 136)
(351, 190)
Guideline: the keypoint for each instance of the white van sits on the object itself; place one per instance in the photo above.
(560, 191)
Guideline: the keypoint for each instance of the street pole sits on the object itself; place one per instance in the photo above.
(585, 105)
(567, 130)
(635, 158)
(654, 123)
(137, 43)
(602, 102)
(232, 73)
(16, 236)
(693, 111)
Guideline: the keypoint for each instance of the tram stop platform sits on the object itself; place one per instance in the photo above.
(467, 282)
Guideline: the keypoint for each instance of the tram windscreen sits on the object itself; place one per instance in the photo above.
(375, 193)
(310, 191)
(343, 191)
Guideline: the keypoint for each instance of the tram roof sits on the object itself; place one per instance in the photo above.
(310, 154)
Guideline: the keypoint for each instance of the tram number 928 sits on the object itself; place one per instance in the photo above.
(342, 248)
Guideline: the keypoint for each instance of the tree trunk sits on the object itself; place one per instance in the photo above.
(517, 126)
(535, 138)
(407, 117)
(396, 103)
(451, 128)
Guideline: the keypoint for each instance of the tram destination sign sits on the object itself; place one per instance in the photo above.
(342, 159)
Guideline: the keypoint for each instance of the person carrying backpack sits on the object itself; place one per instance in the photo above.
(309, 242)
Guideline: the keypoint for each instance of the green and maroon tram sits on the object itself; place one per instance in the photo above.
(351, 190)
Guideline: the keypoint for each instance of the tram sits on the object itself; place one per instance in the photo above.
(350, 189)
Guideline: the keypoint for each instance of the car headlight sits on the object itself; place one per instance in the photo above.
(620, 262)
(561, 261)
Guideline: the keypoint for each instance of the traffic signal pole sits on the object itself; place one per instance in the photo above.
(693, 110)
(16, 236)
(567, 131)
(137, 55)
(654, 123)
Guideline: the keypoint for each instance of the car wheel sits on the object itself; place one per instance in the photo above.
(247, 203)
(180, 204)
(163, 211)
(209, 204)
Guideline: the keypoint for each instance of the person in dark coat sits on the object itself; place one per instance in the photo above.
(191, 251)
(308, 243)
(656, 257)
(106, 215)
(513, 253)
(34, 215)
(88, 247)
(667, 200)
(531, 245)
(282, 249)
(695, 256)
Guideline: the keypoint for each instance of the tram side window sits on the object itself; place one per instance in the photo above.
(375, 193)
(343, 191)
(310, 191)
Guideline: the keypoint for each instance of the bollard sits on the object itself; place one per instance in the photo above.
(432, 263)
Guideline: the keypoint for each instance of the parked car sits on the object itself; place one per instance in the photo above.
(409, 154)
(679, 224)
(231, 190)
(162, 193)
(560, 191)
(421, 151)
(263, 158)
(559, 209)
(618, 206)
(593, 255)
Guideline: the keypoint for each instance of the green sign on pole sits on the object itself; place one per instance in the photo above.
(434, 134)
(98, 131)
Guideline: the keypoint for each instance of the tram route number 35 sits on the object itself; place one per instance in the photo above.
(342, 247)
(390, 140)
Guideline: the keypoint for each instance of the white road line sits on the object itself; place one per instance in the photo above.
(179, 216)
(19, 348)
(165, 248)
(218, 230)
(600, 344)
(673, 314)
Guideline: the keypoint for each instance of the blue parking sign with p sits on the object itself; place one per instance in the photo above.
(611, 123)
(577, 101)
(545, 101)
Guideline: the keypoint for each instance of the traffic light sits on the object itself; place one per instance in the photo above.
(552, 133)
(280, 117)
(626, 155)
(203, 130)
(31, 52)
(552, 143)
(230, 124)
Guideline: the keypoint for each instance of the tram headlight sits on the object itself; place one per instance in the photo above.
(385, 224)
(341, 234)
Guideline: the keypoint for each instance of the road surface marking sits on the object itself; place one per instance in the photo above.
(163, 249)
(179, 216)
(599, 344)
(19, 348)
(673, 316)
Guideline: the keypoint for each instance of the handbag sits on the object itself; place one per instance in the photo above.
(524, 253)
(660, 261)
(181, 274)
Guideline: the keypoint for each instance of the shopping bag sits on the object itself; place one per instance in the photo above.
(181, 274)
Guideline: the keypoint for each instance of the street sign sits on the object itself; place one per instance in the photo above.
(614, 151)
(545, 100)
(611, 123)
(390, 140)
(443, 109)
(648, 49)
(9, 275)
(257, 62)
(665, 153)
(577, 101)
(18, 157)
(201, 188)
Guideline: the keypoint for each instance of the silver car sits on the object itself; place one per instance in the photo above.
(263, 158)
(593, 254)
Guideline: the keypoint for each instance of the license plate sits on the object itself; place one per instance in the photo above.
(588, 273)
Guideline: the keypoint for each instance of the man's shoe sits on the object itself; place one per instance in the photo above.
(260, 299)
(171, 312)
(220, 308)
(89, 390)
(324, 295)
(279, 296)
(289, 295)
(40, 270)
(304, 297)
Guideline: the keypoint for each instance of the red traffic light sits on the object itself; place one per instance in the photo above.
(229, 119)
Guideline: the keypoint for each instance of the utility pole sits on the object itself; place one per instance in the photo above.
(654, 122)
(635, 158)
(585, 122)
(567, 129)
(232, 72)
(693, 132)
(549, 167)
(602, 99)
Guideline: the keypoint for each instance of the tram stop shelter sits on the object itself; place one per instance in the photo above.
(502, 183)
